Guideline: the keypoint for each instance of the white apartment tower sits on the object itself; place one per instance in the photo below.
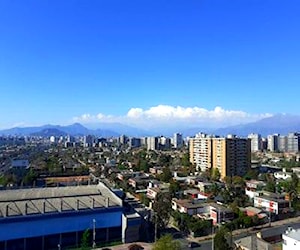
(152, 143)
(255, 142)
(273, 142)
(200, 149)
(293, 142)
(282, 143)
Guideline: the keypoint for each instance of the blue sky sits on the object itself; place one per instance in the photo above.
(127, 61)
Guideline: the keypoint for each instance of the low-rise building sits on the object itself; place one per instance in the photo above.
(123, 175)
(283, 175)
(252, 242)
(219, 213)
(139, 181)
(156, 170)
(192, 193)
(253, 211)
(43, 218)
(195, 194)
(291, 239)
(155, 187)
(273, 204)
(204, 187)
(191, 207)
(253, 188)
(208, 211)
(152, 192)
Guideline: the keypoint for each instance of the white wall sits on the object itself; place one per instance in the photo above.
(289, 243)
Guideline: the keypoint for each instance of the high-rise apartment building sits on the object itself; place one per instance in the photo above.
(178, 141)
(264, 143)
(134, 142)
(88, 140)
(164, 142)
(123, 139)
(273, 142)
(293, 142)
(200, 149)
(152, 143)
(282, 143)
(255, 142)
(230, 155)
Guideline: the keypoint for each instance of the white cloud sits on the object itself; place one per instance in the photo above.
(135, 113)
(169, 115)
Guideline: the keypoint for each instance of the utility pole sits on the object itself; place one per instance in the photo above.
(94, 233)
(155, 230)
(212, 237)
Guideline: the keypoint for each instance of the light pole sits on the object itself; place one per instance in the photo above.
(94, 233)
(212, 236)
(155, 229)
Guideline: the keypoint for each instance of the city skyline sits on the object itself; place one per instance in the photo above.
(208, 62)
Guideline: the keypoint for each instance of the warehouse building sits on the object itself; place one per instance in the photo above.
(52, 218)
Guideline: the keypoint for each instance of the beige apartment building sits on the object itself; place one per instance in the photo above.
(230, 155)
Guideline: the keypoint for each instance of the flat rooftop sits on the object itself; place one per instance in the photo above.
(270, 198)
(22, 202)
(189, 203)
(249, 241)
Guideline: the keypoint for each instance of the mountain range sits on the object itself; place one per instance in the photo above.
(281, 124)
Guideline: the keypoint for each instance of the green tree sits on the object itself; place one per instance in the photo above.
(220, 241)
(143, 165)
(144, 199)
(251, 174)
(166, 242)
(85, 240)
(174, 187)
(162, 209)
(237, 180)
(166, 175)
(182, 220)
(215, 174)
(271, 184)
(214, 189)
(185, 160)
(199, 227)
(291, 187)
(164, 160)
(30, 177)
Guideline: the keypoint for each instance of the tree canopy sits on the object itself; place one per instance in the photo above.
(166, 242)
(162, 209)
(220, 241)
